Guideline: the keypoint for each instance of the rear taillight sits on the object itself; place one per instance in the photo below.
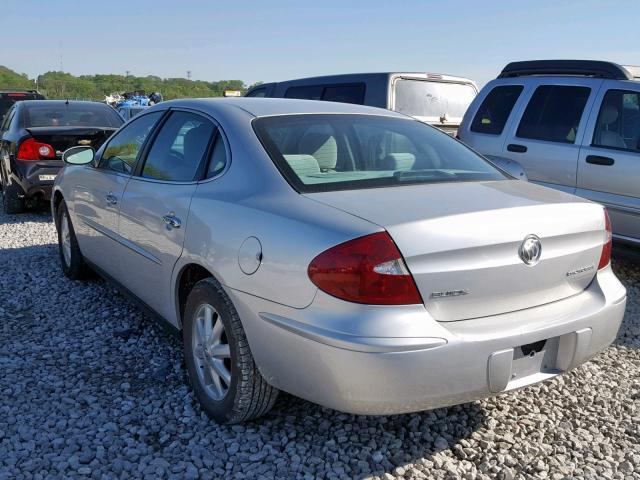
(605, 256)
(29, 149)
(367, 270)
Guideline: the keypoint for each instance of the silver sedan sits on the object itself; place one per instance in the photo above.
(348, 255)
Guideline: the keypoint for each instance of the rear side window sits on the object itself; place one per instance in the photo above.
(554, 113)
(345, 94)
(178, 150)
(310, 92)
(492, 115)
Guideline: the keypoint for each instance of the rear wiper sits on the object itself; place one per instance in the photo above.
(431, 174)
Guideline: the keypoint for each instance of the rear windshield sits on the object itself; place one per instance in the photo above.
(438, 100)
(82, 114)
(8, 99)
(326, 152)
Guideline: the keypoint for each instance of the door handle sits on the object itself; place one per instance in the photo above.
(171, 221)
(111, 199)
(599, 160)
(514, 147)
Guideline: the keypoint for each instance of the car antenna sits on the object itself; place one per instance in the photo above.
(66, 102)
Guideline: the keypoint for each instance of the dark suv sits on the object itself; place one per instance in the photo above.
(9, 97)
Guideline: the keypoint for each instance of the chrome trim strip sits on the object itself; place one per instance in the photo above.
(121, 240)
(353, 342)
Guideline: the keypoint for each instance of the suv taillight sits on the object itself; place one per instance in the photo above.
(605, 256)
(29, 149)
(368, 269)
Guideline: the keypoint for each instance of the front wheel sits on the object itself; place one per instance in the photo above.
(71, 260)
(221, 368)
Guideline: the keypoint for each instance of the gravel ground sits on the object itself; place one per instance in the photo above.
(89, 387)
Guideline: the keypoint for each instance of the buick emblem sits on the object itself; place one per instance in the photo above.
(530, 250)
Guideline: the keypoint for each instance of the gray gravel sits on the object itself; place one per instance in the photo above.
(90, 388)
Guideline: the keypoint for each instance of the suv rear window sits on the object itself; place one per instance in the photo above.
(492, 115)
(426, 98)
(554, 113)
(327, 152)
(7, 99)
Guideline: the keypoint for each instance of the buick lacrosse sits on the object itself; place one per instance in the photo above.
(349, 255)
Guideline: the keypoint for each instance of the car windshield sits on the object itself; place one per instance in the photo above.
(328, 152)
(437, 100)
(81, 114)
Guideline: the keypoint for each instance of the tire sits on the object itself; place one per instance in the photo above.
(11, 203)
(243, 394)
(71, 260)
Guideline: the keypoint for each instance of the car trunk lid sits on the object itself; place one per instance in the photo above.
(461, 242)
(62, 138)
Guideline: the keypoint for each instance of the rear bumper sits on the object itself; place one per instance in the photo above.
(35, 177)
(386, 360)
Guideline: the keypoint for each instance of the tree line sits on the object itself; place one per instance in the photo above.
(61, 85)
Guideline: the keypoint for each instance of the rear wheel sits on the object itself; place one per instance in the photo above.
(221, 368)
(71, 260)
(10, 201)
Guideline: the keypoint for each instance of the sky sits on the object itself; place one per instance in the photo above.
(284, 39)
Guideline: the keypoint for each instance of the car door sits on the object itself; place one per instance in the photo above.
(609, 163)
(546, 139)
(98, 192)
(155, 206)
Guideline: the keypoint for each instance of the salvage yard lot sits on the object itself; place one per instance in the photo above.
(91, 387)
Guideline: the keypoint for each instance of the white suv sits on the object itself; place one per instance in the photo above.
(573, 125)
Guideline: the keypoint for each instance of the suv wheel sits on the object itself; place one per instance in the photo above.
(221, 368)
(71, 260)
(10, 201)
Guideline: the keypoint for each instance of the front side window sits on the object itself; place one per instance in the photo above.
(327, 152)
(258, 93)
(122, 151)
(495, 109)
(553, 113)
(618, 124)
(178, 150)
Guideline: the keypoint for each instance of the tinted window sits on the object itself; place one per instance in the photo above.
(7, 119)
(179, 148)
(76, 114)
(336, 152)
(258, 92)
(122, 150)
(218, 158)
(9, 98)
(313, 92)
(492, 115)
(554, 113)
(421, 98)
(618, 124)
(344, 93)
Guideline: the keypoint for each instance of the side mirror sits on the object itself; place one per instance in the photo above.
(78, 155)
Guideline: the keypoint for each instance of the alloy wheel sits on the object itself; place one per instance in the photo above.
(211, 352)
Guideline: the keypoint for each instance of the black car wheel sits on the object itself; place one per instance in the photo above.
(10, 201)
(221, 368)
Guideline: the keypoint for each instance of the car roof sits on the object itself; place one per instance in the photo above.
(262, 107)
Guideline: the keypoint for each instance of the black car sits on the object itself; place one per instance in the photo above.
(33, 137)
